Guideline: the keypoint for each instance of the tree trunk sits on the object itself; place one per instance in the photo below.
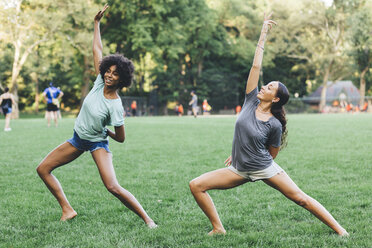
(35, 78)
(362, 87)
(323, 95)
(200, 68)
(86, 80)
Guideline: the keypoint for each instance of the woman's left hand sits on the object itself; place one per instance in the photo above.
(228, 161)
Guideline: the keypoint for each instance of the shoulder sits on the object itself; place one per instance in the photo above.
(99, 80)
(275, 123)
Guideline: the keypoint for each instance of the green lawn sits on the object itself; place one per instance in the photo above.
(328, 156)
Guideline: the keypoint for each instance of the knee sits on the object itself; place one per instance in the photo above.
(301, 199)
(113, 188)
(195, 185)
(41, 169)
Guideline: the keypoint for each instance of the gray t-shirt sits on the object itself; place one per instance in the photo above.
(253, 136)
(195, 101)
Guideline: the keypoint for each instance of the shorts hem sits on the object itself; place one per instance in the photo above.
(269, 172)
(97, 148)
(74, 145)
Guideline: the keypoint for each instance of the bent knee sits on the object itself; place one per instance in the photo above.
(41, 169)
(300, 198)
(113, 188)
(195, 185)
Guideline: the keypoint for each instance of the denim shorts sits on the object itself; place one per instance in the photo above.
(272, 170)
(86, 145)
(7, 111)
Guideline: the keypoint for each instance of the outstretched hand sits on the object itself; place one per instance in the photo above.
(100, 13)
(268, 21)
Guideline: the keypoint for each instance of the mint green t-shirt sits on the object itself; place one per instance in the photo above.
(98, 112)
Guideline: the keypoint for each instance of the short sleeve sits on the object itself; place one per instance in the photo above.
(99, 80)
(251, 98)
(117, 115)
(275, 136)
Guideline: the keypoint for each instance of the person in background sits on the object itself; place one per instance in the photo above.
(6, 103)
(365, 107)
(238, 108)
(133, 106)
(206, 107)
(180, 110)
(52, 95)
(194, 103)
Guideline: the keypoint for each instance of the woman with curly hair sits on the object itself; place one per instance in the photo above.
(101, 107)
(260, 131)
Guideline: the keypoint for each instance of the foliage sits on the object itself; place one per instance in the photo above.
(184, 45)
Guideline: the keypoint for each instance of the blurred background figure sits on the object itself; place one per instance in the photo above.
(206, 107)
(6, 102)
(52, 95)
(238, 108)
(194, 103)
(133, 106)
(365, 107)
(180, 110)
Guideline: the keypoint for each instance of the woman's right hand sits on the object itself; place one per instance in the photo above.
(267, 20)
(228, 161)
(100, 13)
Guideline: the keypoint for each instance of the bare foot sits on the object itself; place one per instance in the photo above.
(344, 234)
(68, 215)
(151, 224)
(217, 232)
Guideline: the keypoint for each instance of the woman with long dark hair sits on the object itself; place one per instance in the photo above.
(101, 107)
(260, 132)
(6, 103)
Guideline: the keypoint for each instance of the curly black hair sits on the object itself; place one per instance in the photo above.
(124, 67)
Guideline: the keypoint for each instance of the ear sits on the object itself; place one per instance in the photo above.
(276, 99)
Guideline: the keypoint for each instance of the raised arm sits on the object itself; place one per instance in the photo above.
(254, 73)
(97, 43)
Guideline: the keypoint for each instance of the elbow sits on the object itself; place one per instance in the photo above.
(121, 139)
(256, 67)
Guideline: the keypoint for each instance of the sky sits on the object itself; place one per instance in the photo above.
(328, 2)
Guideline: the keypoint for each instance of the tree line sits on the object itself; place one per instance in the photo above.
(184, 45)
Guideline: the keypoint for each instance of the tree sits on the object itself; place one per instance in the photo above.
(360, 35)
(25, 25)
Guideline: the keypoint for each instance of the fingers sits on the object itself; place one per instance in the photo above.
(228, 161)
(104, 8)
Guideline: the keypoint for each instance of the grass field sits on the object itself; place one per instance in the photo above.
(328, 156)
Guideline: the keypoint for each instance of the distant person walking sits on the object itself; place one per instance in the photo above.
(133, 106)
(194, 103)
(260, 131)
(6, 103)
(101, 107)
(52, 96)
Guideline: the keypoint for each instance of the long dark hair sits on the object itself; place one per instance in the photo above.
(278, 111)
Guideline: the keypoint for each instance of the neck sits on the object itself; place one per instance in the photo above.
(264, 107)
(110, 93)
